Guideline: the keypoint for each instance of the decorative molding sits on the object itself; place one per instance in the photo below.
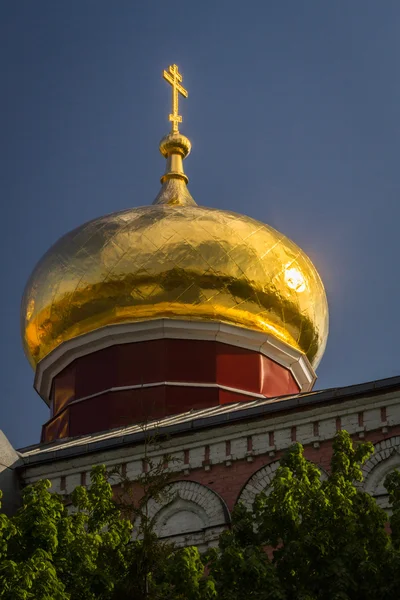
(385, 459)
(258, 482)
(383, 450)
(280, 352)
(275, 430)
(261, 480)
(190, 384)
(189, 508)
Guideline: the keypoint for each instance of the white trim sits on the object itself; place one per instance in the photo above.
(193, 497)
(258, 482)
(88, 450)
(191, 384)
(125, 333)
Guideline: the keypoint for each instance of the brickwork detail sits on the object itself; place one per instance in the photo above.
(259, 482)
(385, 459)
(189, 507)
(236, 460)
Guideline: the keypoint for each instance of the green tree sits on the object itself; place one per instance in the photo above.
(49, 551)
(154, 569)
(313, 539)
(307, 539)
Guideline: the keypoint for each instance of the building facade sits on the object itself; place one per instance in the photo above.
(198, 327)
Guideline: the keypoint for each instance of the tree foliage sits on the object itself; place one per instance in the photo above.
(84, 551)
(324, 539)
(306, 539)
(51, 552)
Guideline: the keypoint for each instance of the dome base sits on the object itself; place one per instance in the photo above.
(137, 372)
(139, 382)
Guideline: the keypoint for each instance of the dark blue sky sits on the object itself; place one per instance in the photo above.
(293, 113)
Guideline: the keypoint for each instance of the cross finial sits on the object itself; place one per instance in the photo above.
(175, 78)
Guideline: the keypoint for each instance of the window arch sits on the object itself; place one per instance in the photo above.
(260, 481)
(385, 459)
(189, 513)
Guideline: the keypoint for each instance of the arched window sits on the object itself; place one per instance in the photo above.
(189, 514)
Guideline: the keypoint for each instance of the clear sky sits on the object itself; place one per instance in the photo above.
(293, 113)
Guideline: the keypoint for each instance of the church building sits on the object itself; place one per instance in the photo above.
(200, 327)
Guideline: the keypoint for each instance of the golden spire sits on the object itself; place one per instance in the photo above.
(175, 147)
(175, 79)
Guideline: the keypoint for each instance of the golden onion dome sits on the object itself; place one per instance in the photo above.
(174, 259)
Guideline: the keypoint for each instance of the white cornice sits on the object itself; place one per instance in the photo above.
(126, 333)
(131, 452)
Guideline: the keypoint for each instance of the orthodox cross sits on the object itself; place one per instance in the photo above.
(174, 78)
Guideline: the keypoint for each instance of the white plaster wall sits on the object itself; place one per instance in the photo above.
(238, 447)
(260, 442)
(350, 422)
(283, 438)
(72, 481)
(327, 428)
(218, 452)
(305, 432)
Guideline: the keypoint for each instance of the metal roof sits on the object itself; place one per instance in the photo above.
(196, 420)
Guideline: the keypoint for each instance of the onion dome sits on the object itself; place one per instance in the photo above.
(176, 260)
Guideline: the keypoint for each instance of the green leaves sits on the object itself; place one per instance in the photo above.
(48, 551)
(83, 551)
(308, 538)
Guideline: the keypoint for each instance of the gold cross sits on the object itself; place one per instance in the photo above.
(174, 78)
